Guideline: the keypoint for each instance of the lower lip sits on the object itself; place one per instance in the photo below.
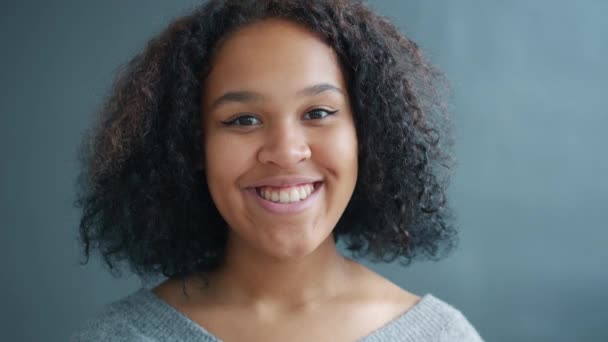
(286, 208)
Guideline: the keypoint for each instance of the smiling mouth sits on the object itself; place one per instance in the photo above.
(289, 194)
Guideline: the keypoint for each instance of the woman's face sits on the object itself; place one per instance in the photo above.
(279, 137)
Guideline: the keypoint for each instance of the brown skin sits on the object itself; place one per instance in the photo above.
(283, 278)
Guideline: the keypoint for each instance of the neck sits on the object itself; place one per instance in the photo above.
(251, 278)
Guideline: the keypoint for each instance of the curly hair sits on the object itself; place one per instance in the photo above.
(145, 203)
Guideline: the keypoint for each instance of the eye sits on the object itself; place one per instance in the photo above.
(243, 120)
(319, 113)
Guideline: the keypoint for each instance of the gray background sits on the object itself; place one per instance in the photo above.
(529, 81)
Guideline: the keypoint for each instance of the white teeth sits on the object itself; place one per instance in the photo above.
(287, 195)
(294, 195)
(284, 198)
(274, 196)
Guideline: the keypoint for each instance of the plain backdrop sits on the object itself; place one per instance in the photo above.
(529, 81)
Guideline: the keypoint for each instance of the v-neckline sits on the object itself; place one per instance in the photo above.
(164, 311)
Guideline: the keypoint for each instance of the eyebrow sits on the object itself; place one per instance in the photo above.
(250, 96)
(318, 89)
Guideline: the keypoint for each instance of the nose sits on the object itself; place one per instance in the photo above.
(285, 145)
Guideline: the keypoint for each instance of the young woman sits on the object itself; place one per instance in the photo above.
(239, 148)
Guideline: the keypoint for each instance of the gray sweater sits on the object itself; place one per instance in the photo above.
(142, 316)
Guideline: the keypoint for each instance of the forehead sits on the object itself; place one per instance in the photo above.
(274, 57)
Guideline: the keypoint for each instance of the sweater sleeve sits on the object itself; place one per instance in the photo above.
(459, 329)
(108, 326)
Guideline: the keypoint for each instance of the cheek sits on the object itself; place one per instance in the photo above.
(225, 160)
(338, 154)
(339, 149)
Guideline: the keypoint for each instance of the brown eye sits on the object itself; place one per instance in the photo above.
(243, 120)
(319, 113)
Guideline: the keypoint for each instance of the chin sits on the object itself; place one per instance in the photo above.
(293, 247)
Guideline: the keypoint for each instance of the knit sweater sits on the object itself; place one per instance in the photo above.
(143, 316)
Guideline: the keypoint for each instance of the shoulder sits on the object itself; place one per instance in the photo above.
(441, 321)
(373, 287)
(116, 321)
(415, 318)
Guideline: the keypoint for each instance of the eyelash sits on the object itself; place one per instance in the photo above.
(234, 122)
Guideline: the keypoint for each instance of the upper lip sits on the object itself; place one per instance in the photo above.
(284, 181)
